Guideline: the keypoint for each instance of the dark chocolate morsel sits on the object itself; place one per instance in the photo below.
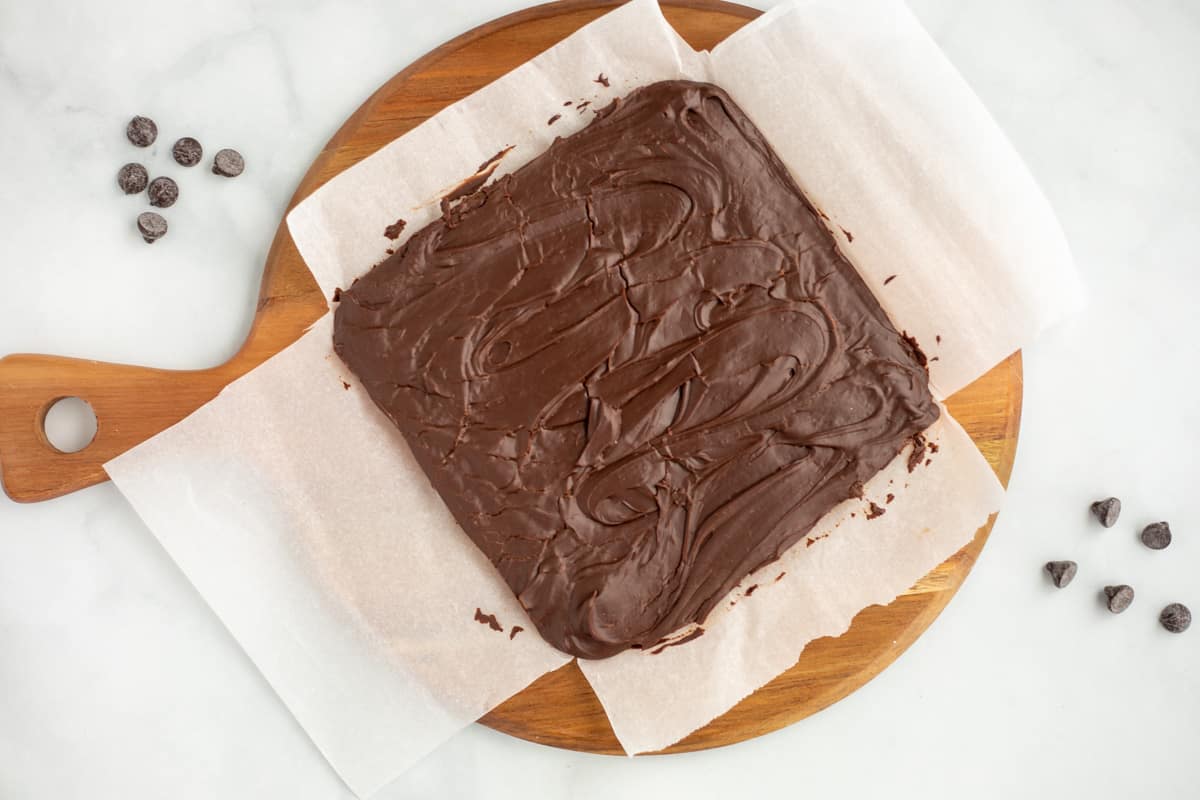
(1118, 597)
(1107, 511)
(228, 163)
(132, 178)
(1061, 572)
(1176, 618)
(141, 131)
(187, 152)
(163, 192)
(1156, 535)
(151, 226)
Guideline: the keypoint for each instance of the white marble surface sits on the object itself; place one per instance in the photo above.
(116, 680)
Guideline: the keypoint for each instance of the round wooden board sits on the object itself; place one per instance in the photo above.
(134, 403)
(560, 709)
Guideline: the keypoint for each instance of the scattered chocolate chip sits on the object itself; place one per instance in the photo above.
(890, 498)
(602, 79)
(1061, 572)
(228, 163)
(875, 511)
(1107, 511)
(141, 131)
(1156, 535)
(187, 152)
(132, 178)
(515, 630)
(163, 192)
(1176, 618)
(937, 339)
(1118, 597)
(394, 230)
(554, 119)
(151, 226)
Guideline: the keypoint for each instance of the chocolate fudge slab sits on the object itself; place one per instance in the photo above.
(636, 369)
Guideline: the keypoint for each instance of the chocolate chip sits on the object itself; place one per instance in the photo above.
(1176, 618)
(163, 192)
(1061, 572)
(1156, 535)
(187, 152)
(1107, 511)
(151, 226)
(132, 178)
(228, 163)
(141, 131)
(1118, 597)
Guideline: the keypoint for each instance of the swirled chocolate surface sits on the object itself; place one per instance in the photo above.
(636, 369)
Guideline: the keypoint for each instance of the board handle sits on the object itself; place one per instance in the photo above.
(131, 405)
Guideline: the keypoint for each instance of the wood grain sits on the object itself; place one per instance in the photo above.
(134, 403)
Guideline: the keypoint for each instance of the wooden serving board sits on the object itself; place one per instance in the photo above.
(134, 403)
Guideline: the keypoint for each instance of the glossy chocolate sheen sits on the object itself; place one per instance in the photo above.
(636, 369)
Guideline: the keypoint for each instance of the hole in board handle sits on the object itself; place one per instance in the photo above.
(70, 424)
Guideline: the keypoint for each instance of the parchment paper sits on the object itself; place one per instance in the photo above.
(299, 513)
